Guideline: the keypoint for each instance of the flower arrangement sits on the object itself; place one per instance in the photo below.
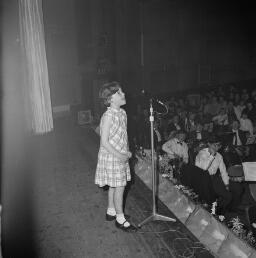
(164, 166)
(213, 209)
(239, 230)
(235, 225)
(188, 192)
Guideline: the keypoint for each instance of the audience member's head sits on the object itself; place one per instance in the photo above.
(214, 99)
(222, 111)
(244, 115)
(237, 98)
(253, 94)
(230, 105)
(235, 125)
(183, 114)
(231, 95)
(199, 127)
(214, 144)
(221, 99)
(249, 105)
(191, 116)
(176, 119)
(180, 135)
(241, 103)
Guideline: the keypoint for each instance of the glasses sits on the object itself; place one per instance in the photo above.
(218, 144)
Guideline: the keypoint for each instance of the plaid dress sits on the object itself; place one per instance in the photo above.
(110, 170)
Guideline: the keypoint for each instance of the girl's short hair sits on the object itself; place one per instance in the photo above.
(107, 90)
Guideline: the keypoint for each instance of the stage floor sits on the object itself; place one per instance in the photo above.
(70, 208)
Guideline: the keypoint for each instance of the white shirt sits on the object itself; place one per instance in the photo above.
(204, 159)
(246, 125)
(173, 147)
(238, 111)
(221, 119)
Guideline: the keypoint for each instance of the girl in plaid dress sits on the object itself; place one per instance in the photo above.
(113, 167)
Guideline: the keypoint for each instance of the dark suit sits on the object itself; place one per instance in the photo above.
(242, 137)
(204, 135)
(251, 113)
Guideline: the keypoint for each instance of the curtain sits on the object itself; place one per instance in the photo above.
(37, 80)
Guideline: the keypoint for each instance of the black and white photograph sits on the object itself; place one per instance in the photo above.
(127, 129)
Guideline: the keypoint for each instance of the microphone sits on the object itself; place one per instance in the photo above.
(150, 95)
(160, 102)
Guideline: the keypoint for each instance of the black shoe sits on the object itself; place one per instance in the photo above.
(111, 217)
(129, 229)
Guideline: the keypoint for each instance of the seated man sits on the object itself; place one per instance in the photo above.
(177, 150)
(212, 162)
(239, 137)
(239, 140)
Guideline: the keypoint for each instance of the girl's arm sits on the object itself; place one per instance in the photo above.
(106, 123)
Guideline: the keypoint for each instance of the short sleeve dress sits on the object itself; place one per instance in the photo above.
(110, 170)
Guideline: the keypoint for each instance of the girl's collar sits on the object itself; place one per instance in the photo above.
(115, 109)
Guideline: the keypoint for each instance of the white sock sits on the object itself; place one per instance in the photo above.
(111, 211)
(121, 219)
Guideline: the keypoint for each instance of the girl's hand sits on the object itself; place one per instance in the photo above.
(129, 154)
(124, 157)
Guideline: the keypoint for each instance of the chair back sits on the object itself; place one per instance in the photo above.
(236, 173)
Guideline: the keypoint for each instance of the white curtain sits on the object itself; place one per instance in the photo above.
(33, 42)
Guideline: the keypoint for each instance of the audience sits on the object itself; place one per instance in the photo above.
(186, 132)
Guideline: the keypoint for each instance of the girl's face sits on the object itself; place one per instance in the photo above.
(118, 99)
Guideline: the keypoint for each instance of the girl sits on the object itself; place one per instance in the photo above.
(113, 167)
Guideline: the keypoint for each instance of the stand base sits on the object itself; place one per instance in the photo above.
(155, 217)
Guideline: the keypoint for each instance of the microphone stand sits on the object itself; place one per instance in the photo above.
(154, 216)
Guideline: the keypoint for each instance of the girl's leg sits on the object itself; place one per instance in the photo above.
(118, 200)
(111, 206)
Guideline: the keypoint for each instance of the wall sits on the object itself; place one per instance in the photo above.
(61, 49)
(185, 44)
(95, 23)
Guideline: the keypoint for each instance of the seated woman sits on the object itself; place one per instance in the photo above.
(220, 121)
(190, 123)
(177, 151)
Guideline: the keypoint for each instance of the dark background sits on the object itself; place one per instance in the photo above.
(187, 44)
